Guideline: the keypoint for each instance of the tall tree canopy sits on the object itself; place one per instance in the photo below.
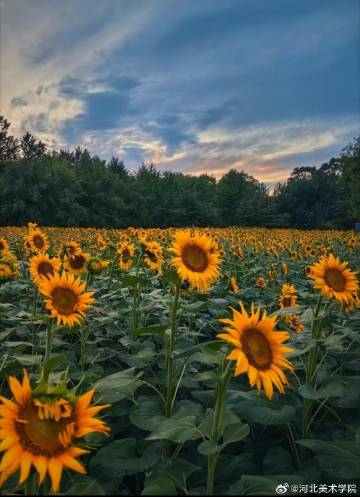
(74, 188)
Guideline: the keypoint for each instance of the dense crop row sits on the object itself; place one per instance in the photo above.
(178, 361)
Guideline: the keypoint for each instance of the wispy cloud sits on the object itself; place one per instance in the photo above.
(260, 86)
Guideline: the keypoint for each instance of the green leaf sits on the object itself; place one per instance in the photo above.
(148, 413)
(119, 458)
(131, 280)
(150, 330)
(287, 310)
(177, 429)
(277, 460)
(261, 485)
(267, 415)
(235, 432)
(117, 386)
(180, 470)
(28, 359)
(206, 377)
(298, 352)
(11, 367)
(195, 307)
(159, 485)
(208, 447)
(11, 345)
(88, 487)
(341, 459)
(219, 302)
(307, 316)
(333, 388)
(207, 356)
(171, 277)
(52, 364)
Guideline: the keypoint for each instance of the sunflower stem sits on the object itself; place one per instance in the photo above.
(33, 334)
(170, 393)
(62, 258)
(137, 293)
(82, 345)
(169, 354)
(88, 280)
(112, 271)
(310, 368)
(216, 431)
(48, 340)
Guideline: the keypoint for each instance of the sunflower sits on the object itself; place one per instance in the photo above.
(284, 268)
(259, 349)
(37, 241)
(71, 249)
(27, 248)
(42, 266)
(288, 297)
(153, 255)
(308, 270)
(196, 259)
(31, 226)
(76, 264)
(293, 321)
(126, 252)
(96, 265)
(65, 298)
(261, 282)
(334, 279)
(272, 274)
(103, 243)
(41, 431)
(4, 245)
(7, 254)
(8, 269)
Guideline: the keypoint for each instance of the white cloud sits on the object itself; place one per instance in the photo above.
(268, 152)
(43, 42)
(32, 56)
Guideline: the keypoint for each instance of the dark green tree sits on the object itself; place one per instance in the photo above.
(9, 146)
(31, 148)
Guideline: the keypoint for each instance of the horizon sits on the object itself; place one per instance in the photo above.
(208, 90)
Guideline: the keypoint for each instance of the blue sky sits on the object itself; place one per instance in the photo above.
(193, 86)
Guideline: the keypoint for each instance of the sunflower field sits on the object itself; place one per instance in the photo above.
(179, 361)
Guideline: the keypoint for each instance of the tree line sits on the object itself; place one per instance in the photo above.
(75, 188)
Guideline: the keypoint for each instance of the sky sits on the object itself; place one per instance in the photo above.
(194, 86)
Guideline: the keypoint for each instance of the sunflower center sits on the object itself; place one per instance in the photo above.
(77, 261)
(335, 279)
(125, 255)
(286, 301)
(46, 429)
(45, 268)
(151, 255)
(38, 241)
(64, 299)
(2, 245)
(257, 348)
(194, 258)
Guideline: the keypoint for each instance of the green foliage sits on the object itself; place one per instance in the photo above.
(260, 444)
(76, 189)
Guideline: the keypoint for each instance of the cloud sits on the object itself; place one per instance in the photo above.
(268, 151)
(263, 86)
(15, 102)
